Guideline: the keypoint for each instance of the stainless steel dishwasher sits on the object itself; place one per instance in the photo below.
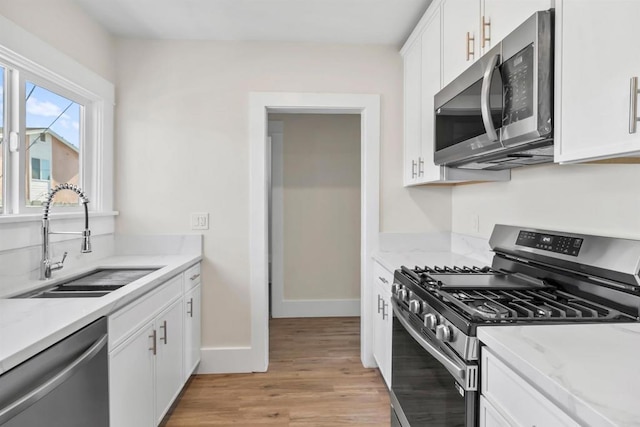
(65, 385)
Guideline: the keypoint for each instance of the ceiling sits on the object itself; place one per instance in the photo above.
(324, 21)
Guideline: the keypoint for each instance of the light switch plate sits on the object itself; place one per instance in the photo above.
(200, 221)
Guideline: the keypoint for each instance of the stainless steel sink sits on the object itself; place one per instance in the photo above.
(96, 283)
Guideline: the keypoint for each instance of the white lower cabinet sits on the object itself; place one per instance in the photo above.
(192, 318)
(154, 346)
(382, 321)
(168, 361)
(510, 400)
(131, 377)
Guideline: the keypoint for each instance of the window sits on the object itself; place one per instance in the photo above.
(53, 141)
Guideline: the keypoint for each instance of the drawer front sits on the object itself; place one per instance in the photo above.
(192, 277)
(491, 417)
(127, 320)
(382, 276)
(513, 395)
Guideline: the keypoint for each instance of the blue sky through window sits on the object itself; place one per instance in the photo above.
(44, 107)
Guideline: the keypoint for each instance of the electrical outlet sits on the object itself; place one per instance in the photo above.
(199, 221)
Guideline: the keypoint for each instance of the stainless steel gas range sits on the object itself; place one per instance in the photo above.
(536, 277)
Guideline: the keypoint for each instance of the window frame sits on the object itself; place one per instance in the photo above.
(95, 143)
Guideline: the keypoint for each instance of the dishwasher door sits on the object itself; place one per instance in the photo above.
(64, 385)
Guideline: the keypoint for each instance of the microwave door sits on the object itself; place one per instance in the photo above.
(461, 131)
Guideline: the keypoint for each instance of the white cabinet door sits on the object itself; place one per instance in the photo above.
(412, 111)
(490, 417)
(382, 331)
(192, 318)
(500, 17)
(169, 364)
(460, 49)
(131, 385)
(596, 57)
(431, 84)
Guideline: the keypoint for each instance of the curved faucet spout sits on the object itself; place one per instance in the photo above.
(46, 265)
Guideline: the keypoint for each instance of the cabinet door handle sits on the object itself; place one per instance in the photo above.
(420, 166)
(382, 279)
(413, 169)
(486, 24)
(154, 346)
(379, 305)
(194, 277)
(385, 305)
(633, 106)
(470, 44)
(164, 332)
(190, 305)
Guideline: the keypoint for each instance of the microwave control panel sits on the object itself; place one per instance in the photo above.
(548, 242)
(517, 80)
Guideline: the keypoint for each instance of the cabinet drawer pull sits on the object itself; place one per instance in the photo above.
(379, 305)
(420, 167)
(194, 277)
(413, 169)
(385, 306)
(470, 43)
(190, 309)
(154, 346)
(382, 279)
(633, 106)
(164, 332)
(486, 24)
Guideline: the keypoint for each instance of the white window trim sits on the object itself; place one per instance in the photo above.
(34, 57)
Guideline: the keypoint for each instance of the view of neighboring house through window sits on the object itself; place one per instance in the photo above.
(53, 140)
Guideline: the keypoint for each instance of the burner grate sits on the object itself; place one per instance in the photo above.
(531, 304)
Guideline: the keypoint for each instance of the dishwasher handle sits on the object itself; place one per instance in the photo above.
(41, 391)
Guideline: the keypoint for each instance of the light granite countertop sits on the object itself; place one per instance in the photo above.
(28, 326)
(589, 371)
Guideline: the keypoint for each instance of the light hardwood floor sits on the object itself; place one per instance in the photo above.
(315, 378)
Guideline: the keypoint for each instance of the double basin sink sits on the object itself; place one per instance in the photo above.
(95, 283)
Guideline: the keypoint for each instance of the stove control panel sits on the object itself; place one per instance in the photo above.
(549, 242)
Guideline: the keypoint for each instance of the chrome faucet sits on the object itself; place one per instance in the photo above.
(46, 266)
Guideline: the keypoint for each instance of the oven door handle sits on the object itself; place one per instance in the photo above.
(464, 375)
(485, 99)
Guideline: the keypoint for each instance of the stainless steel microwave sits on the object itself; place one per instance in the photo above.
(498, 114)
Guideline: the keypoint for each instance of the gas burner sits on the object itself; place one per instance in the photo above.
(490, 309)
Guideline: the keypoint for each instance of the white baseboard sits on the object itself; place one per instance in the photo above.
(317, 308)
(225, 360)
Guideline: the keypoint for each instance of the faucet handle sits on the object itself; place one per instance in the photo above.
(58, 265)
(64, 256)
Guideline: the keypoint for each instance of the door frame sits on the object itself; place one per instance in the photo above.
(260, 105)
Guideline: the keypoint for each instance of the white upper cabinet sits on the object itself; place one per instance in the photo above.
(500, 17)
(431, 84)
(596, 58)
(412, 111)
(460, 36)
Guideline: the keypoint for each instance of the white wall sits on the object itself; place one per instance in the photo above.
(182, 146)
(65, 26)
(321, 206)
(594, 199)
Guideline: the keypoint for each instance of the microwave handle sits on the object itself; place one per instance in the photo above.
(485, 100)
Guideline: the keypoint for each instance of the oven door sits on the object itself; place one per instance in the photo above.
(430, 386)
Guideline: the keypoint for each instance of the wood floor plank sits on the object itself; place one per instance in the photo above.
(315, 379)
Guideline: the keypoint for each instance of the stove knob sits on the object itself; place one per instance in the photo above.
(395, 288)
(443, 333)
(415, 306)
(431, 321)
(402, 294)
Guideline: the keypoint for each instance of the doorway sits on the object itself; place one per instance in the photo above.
(261, 104)
(314, 211)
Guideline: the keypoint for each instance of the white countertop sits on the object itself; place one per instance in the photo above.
(28, 326)
(394, 260)
(590, 371)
